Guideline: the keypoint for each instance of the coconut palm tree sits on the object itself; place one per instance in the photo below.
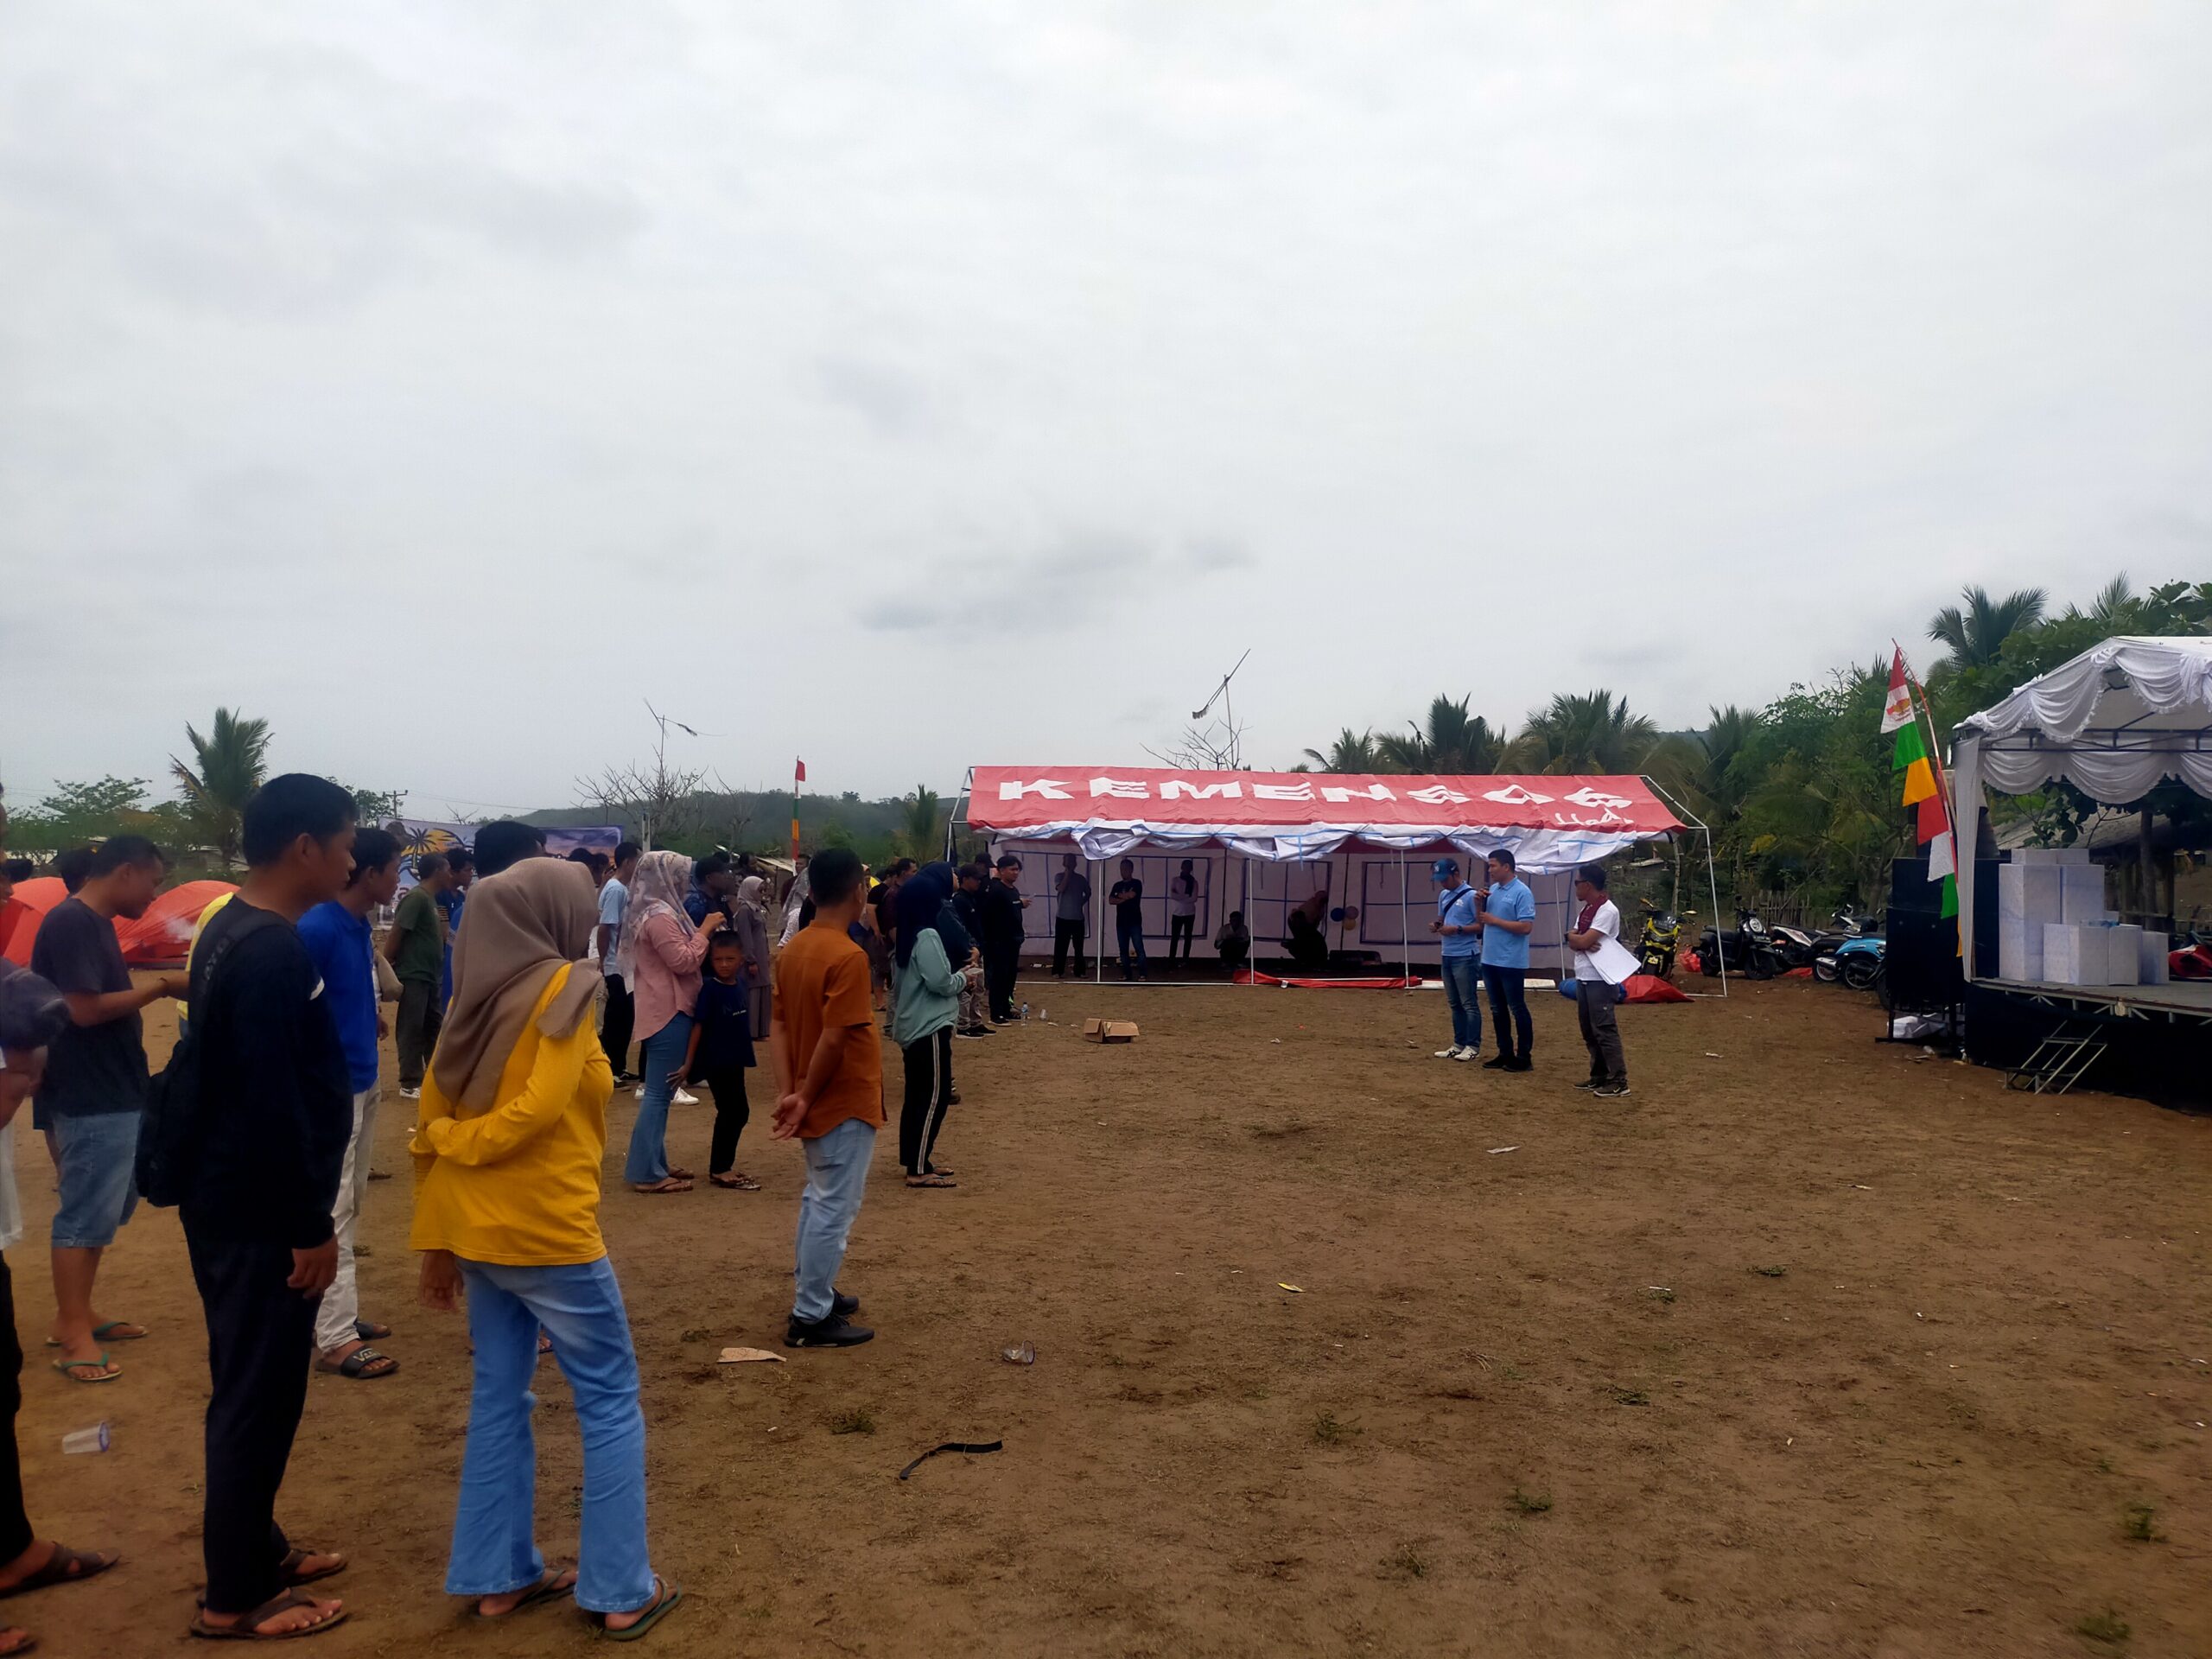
(1453, 743)
(1592, 732)
(231, 767)
(921, 825)
(1351, 752)
(1977, 631)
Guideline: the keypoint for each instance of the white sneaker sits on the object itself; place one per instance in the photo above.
(1447, 1054)
(1468, 1054)
(410, 1094)
(685, 1098)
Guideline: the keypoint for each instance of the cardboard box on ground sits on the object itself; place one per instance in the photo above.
(1110, 1030)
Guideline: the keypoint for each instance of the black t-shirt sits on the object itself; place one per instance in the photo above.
(725, 1019)
(277, 1091)
(90, 1070)
(1003, 927)
(1127, 899)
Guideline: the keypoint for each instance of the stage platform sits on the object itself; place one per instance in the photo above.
(2187, 999)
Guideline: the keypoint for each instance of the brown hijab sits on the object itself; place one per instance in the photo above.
(519, 927)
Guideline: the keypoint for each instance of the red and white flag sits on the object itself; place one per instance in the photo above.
(1896, 710)
(799, 777)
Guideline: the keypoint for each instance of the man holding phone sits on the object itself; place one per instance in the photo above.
(1508, 916)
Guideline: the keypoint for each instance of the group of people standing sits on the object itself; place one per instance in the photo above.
(1484, 935)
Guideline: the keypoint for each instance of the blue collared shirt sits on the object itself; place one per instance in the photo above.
(1509, 901)
(1455, 908)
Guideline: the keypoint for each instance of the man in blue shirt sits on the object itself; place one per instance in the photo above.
(336, 935)
(1458, 927)
(1508, 916)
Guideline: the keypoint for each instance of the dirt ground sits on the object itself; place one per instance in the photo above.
(1808, 1347)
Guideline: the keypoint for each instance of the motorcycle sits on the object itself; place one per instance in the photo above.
(2193, 959)
(1844, 928)
(1662, 933)
(1858, 962)
(1750, 950)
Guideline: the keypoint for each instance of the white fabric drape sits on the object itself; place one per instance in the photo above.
(1534, 851)
(2113, 777)
(2162, 677)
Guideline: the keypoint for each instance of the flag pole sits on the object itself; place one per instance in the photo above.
(798, 777)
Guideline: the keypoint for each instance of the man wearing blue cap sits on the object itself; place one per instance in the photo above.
(1458, 924)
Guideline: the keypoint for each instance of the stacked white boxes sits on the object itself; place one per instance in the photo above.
(2077, 955)
(2030, 896)
(2151, 966)
(2125, 964)
(2081, 893)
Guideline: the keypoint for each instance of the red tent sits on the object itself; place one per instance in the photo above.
(158, 937)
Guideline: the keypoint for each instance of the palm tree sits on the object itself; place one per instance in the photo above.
(1977, 632)
(1351, 752)
(1589, 732)
(231, 768)
(1453, 744)
(921, 824)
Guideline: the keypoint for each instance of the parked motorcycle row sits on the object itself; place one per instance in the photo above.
(1848, 952)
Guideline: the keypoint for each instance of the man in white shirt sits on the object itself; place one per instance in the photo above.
(614, 905)
(1595, 999)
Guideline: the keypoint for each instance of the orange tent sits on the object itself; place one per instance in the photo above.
(159, 937)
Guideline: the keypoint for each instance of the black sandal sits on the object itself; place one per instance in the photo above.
(65, 1565)
(356, 1365)
(247, 1628)
(549, 1588)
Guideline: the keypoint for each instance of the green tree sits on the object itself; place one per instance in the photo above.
(1590, 732)
(1977, 631)
(921, 825)
(1453, 743)
(230, 765)
(75, 814)
(1351, 752)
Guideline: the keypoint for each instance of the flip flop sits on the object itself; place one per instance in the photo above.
(666, 1596)
(549, 1588)
(107, 1332)
(293, 1558)
(28, 1644)
(355, 1365)
(917, 1182)
(65, 1565)
(369, 1330)
(69, 1368)
(735, 1183)
(673, 1184)
(244, 1630)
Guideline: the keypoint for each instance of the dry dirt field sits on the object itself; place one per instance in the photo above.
(1808, 1347)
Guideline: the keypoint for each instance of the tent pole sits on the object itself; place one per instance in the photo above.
(1405, 928)
(1712, 881)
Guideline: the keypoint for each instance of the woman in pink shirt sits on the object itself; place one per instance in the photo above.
(659, 958)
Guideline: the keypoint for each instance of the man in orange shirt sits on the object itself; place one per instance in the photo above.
(829, 1084)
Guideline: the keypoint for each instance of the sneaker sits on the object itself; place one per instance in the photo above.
(684, 1097)
(1610, 1091)
(971, 1032)
(1591, 1082)
(626, 1079)
(1498, 1062)
(410, 1094)
(1451, 1053)
(835, 1331)
(843, 1307)
(1470, 1052)
(1520, 1063)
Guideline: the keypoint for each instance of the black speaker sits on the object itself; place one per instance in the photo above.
(1920, 958)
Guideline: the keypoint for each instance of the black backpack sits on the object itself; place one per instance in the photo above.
(170, 1134)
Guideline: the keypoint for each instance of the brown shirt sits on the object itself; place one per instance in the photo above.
(822, 985)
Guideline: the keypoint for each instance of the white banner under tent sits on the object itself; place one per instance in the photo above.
(1375, 873)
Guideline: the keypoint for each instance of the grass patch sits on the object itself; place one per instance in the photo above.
(2107, 1626)
(1530, 1503)
(1660, 1293)
(1327, 1431)
(2135, 1524)
(2104, 1466)
(1279, 1131)
(1406, 1562)
(1512, 1373)
(1772, 1273)
(859, 1420)
(1630, 1396)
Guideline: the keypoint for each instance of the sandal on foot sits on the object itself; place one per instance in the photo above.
(551, 1588)
(665, 1596)
(934, 1178)
(735, 1183)
(24, 1641)
(113, 1331)
(248, 1627)
(296, 1559)
(369, 1330)
(69, 1368)
(360, 1365)
(672, 1184)
(65, 1565)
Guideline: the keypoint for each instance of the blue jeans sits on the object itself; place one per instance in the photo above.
(96, 1157)
(1463, 989)
(658, 1055)
(836, 1175)
(494, 1542)
(1130, 937)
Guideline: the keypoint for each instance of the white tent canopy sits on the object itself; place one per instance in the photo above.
(2115, 722)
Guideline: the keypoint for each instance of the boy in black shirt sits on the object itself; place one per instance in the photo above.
(1003, 933)
(1127, 899)
(721, 1049)
(261, 1181)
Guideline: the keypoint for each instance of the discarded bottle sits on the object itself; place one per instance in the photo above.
(94, 1439)
(1044, 1017)
(1019, 1353)
(1025, 1014)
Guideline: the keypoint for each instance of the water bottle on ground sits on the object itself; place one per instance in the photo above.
(94, 1439)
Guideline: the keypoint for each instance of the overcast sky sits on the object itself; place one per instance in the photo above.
(916, 385)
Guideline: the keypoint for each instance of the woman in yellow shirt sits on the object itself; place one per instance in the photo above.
(511, 1133)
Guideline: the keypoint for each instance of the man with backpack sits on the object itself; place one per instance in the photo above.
(246, 1133)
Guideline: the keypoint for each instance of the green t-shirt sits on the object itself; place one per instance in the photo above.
(422, 933)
